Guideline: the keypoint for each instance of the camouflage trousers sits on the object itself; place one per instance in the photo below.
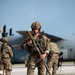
(34, 62)
(1, 69)
(6, 66)
(52, 63)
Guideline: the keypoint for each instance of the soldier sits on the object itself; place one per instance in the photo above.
(34, 59)
(6, 54)
(53, 57)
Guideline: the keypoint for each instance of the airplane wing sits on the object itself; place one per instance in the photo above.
(52, 37)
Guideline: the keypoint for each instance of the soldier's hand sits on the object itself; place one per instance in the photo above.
(43, 56)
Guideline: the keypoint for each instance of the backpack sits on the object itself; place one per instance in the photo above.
(54, 48)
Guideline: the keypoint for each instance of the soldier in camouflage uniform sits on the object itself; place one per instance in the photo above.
(6, 54)
(53, 57)
(34, 59)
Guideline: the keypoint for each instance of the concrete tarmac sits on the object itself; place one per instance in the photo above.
(20, 69)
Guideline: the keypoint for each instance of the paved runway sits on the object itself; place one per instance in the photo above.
(66, 69)
(20, 69)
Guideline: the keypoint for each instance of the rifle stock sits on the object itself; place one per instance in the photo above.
(35, 45)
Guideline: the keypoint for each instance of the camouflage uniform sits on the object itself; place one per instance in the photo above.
(34, 58)
(1, 71)
(6, 54)
(53, 57)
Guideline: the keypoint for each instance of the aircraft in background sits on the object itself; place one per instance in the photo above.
(66, 45)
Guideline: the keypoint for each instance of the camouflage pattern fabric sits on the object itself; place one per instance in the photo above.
(34, 59)
(34, 62)
(53, 57)
(7, 53)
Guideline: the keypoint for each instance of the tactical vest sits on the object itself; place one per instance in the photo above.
(41, 42)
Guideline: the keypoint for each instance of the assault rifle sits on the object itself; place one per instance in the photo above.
(38, 49)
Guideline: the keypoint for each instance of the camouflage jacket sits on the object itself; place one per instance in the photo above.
(43, 42)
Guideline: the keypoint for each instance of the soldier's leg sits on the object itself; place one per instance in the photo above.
(8, 67)
(31, 64)
(49, 63)
(8, 72)
(41, 68)
(30, 70)
(1, 69)
(55, 66)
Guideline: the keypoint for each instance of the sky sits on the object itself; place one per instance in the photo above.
(57, 17)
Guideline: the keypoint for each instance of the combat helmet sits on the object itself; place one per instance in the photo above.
(36, 25)
(5, 39)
